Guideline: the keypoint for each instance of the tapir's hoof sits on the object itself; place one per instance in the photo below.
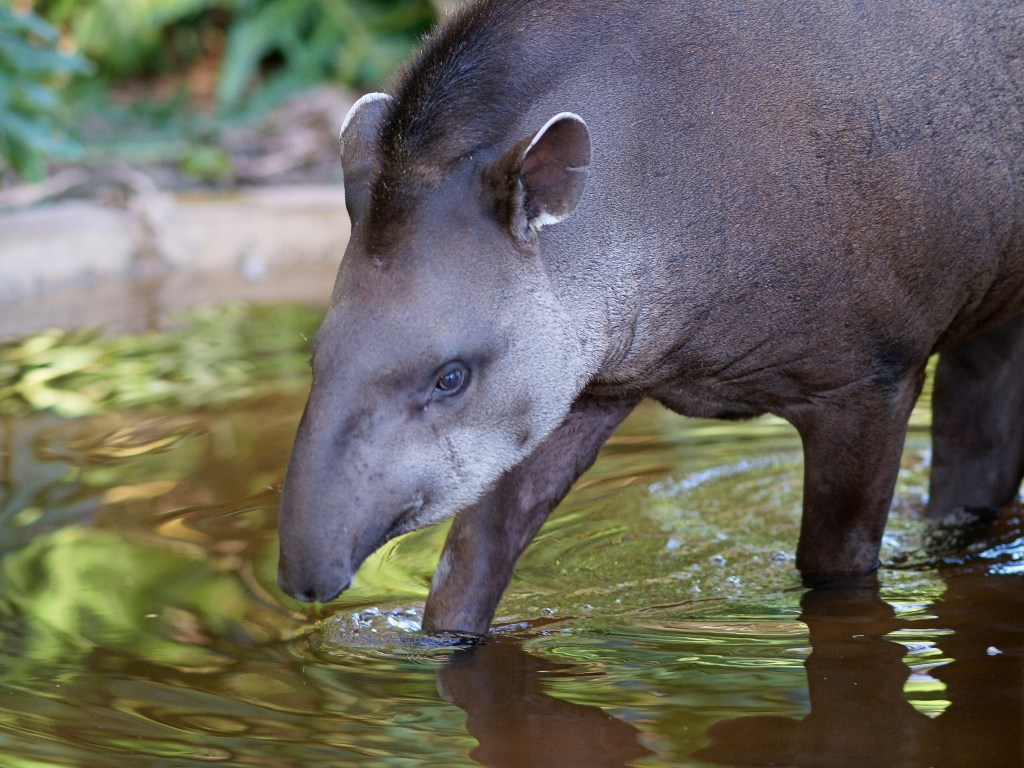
(447, 637)
(829, 581)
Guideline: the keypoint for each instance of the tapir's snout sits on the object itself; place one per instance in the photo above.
(323, 544)
(312, 584)
(318, 549)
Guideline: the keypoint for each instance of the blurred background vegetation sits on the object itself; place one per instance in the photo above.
(93, 81)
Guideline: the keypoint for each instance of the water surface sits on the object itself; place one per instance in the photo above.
(657, 619)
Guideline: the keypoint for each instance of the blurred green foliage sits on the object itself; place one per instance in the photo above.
(357, 42)
(122, 37)
(31, 67)
(219, 355)
(256, 52)
(268, 48)
(133, 38)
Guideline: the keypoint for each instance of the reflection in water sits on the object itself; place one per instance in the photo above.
(984, 724)
(140, 623)
(860, 715)
(499, 685)
(856, 677)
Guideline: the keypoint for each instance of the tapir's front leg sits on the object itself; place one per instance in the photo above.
(486, 539)
(852, 448)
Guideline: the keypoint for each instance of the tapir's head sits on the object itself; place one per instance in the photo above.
(446, 355)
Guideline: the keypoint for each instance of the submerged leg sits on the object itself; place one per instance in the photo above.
(852, 449)
(978, 422)
(486, 539)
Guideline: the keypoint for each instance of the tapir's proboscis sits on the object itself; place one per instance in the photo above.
(563, 207)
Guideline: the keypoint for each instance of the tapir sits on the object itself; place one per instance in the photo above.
(562, 207)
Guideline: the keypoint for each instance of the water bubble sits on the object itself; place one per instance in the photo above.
(404, 619)
(404, 623)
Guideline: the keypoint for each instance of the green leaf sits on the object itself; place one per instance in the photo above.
(32, 96)
(18, 55)
(271, 28)
(207, 163)
(20, 157)
(28, 22)
(29, 107)
(37, 135)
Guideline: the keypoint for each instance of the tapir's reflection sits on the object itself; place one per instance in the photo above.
(499, 685)
(856, 672)
(859, 713)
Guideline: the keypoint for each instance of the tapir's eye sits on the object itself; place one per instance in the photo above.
(451, 379)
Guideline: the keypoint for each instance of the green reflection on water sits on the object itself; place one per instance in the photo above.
(216, 356)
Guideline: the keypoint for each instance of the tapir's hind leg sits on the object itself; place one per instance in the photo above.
(486, 539)
(978, 422)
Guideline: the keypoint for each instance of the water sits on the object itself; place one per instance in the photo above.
(657, 620)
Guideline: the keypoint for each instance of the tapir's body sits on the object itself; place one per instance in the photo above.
(567, 206)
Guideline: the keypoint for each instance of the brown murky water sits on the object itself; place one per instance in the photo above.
(656, 621)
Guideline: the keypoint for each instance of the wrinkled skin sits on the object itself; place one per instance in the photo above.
(565, 207)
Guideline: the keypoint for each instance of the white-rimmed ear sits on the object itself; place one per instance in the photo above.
(360, 133)
(541, 179)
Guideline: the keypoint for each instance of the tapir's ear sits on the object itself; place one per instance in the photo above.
(360, 147)
(540, 180)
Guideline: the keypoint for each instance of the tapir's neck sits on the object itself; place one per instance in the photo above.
(600, 285)
(603, 278)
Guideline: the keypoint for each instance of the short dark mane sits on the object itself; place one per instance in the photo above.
(458, 94)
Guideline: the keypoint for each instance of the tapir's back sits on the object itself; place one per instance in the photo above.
(820, 161)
